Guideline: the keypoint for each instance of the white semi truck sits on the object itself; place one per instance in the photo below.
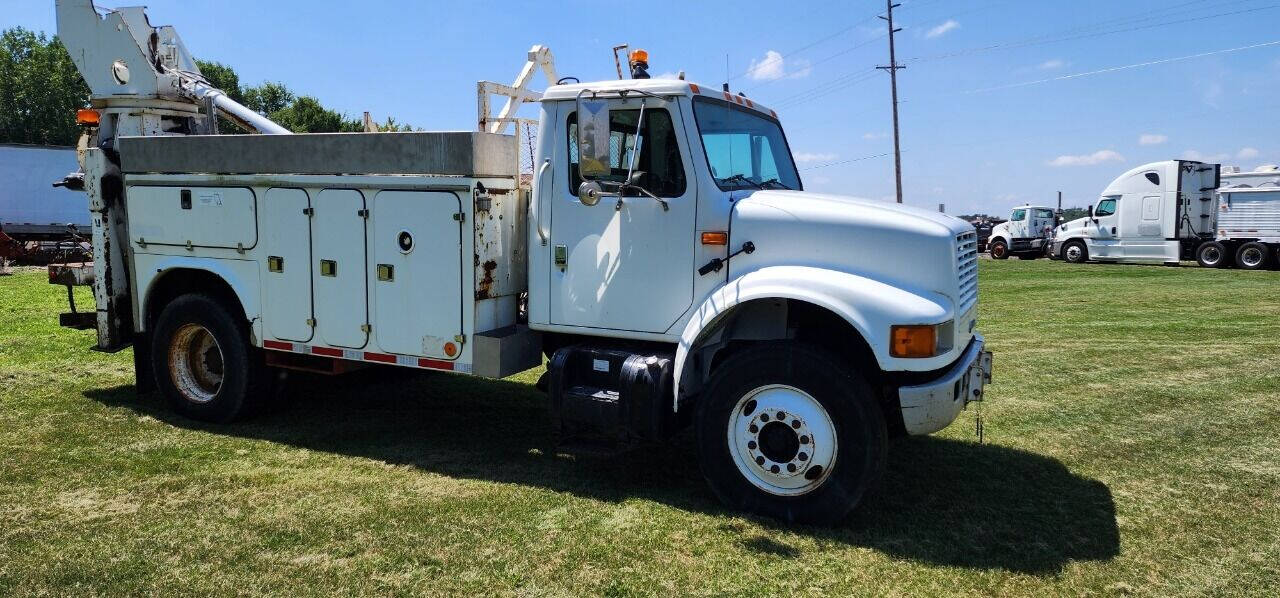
(675, 270)
(1026, 234)
(1162, 212)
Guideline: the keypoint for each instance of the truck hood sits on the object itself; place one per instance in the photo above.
(1071, 226)
(906, 247)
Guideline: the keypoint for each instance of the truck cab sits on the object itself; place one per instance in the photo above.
(665, 257)
(1025, 235)
(1155, 213)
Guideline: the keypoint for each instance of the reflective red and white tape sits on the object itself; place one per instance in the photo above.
(358, 355)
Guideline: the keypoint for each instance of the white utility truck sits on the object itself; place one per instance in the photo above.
(1026, 234)
(1248, 227)
(675, 270)
(1156, 213)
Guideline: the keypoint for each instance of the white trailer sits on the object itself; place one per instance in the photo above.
(1026, 234)
(1248, 227)
(675, 271)
(31, 208)
(1156, 213)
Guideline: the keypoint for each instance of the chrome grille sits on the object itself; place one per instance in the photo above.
(967, 270)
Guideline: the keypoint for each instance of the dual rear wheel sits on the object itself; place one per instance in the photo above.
(203, 363)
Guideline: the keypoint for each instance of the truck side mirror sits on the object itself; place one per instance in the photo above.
(1091, 213)
(593, 137)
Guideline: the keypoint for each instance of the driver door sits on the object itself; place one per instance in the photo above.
(1104, 228)
(625, 265)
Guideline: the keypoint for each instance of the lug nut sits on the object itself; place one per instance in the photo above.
(751, 445)
(795, 423)
(759, 460)
(753, 429)
(774, 469)
(791, 467)
(782, 415)
(764, 417)
(804, 440)
(802, 457)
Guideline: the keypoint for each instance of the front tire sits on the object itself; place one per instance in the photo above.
(1252, 256)
(203, 362)
(999, 250)
(789, 431)
(1075, 252)
(1212, 255)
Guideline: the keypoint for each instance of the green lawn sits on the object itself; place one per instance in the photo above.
(1132, 446)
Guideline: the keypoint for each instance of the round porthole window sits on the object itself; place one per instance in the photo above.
(405, 241)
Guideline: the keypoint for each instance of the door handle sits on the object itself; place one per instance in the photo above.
(534, 201)
(1113, 230)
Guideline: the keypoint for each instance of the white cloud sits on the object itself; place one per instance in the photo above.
(1050, 65)
(1247, 153)
(1097, 157)
(814, 157)
(942, 29)
(874, 136)
(774, 66)
(1152, 139)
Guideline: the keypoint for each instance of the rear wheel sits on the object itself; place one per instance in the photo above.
(203, 363)
(1252, 256)
(999, 250)
(1212, 255)
(788, 431)
(1075, 252)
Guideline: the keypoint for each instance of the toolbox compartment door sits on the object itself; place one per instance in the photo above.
(286, 273)
(417, 283)
(339, 268)
(219, 217)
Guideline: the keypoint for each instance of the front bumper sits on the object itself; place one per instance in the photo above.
(927, 408)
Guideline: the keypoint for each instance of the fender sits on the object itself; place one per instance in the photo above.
(240, 275)
(870, 306)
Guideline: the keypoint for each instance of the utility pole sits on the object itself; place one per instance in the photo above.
(893, 82)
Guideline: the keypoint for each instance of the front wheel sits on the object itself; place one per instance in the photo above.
(789, 431)
(999, 250)
(1075, 252)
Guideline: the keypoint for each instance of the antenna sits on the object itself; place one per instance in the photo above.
(893, 82)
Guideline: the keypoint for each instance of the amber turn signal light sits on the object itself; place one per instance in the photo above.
(913, 341)
(715, 238)
(85, 116)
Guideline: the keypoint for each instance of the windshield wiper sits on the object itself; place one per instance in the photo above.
(740, 178)
(775, 182)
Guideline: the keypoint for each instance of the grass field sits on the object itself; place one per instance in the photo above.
(1132, 446)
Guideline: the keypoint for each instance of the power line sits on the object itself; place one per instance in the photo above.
(1123, 68)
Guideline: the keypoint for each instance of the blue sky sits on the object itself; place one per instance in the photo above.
(988, 119)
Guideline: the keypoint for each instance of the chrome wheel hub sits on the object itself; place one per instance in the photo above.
(1251, 257)
(1073, 253)
(195, 363)
(1211, 255)
(782, 440)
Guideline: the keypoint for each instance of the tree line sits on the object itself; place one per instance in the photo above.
(40, 91)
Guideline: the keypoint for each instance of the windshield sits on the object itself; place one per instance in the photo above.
(745, 149)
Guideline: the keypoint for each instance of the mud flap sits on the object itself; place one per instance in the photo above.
(145, 382)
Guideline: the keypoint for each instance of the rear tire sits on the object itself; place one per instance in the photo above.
(1075, 252)
(1212, 255)
(999, 250)
(1253, 256)
(791, 432)
(203, 362)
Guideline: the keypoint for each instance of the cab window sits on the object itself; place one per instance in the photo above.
(1105, 207)
(659, 157)
(1018, 215)
(1044, 213)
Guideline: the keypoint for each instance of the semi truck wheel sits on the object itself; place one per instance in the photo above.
(1212, 255)
(999, 250)
(203, 362)
(1075, 252)
(789, 431)
(1252, 256)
